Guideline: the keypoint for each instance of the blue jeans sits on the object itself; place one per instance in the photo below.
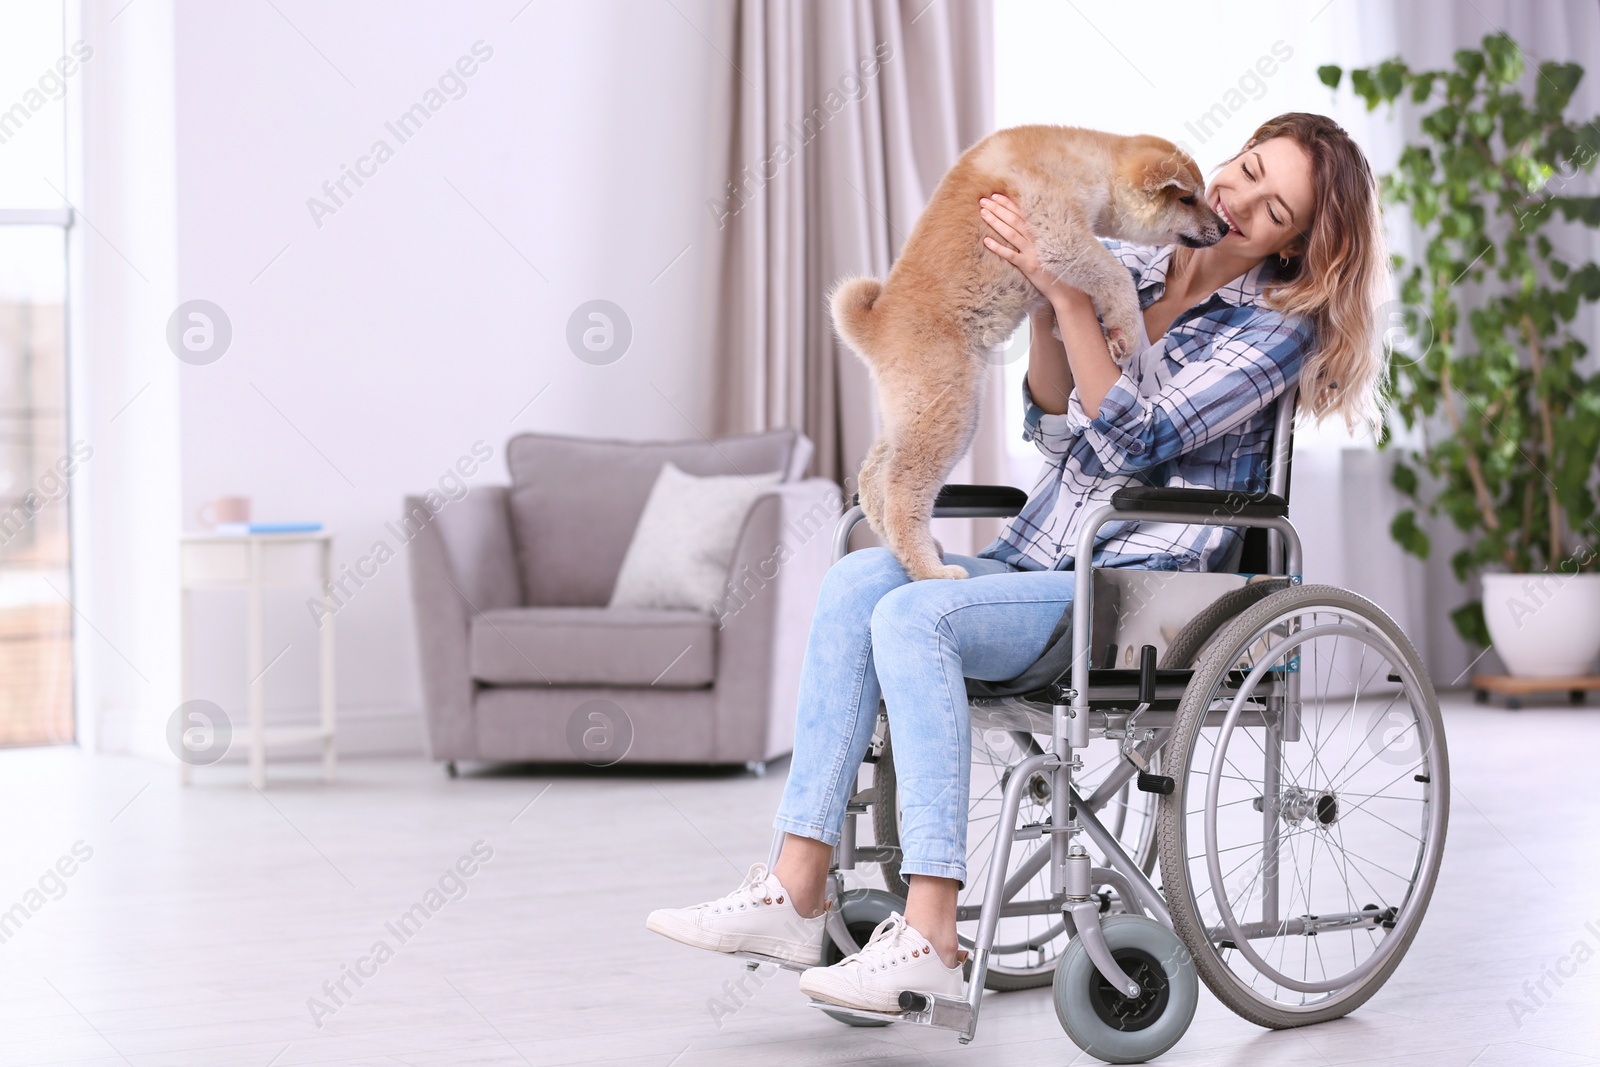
(876, 632)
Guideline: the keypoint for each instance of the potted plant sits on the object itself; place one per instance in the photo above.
(1502, 427)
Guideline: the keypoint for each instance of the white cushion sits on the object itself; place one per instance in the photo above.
(683, 545)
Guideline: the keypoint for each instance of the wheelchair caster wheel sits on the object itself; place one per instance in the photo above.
(1120, 1029)
(863, 910)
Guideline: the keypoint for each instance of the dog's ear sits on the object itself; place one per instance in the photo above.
(1169, 169)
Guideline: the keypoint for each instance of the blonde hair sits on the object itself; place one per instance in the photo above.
(1340, 278)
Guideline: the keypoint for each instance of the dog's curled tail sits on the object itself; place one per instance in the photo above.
(852, 302)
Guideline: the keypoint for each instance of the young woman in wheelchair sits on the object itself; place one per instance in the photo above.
(1287, 296)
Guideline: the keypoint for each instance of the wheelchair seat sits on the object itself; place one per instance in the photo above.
(1132, 607)
(1171, 610)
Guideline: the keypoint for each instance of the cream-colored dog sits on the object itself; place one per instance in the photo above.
(926, 331)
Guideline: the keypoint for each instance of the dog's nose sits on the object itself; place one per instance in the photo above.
(1222, 229)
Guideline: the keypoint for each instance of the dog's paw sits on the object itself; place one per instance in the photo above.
(919, 574)
(920, 566)
(1119, 343)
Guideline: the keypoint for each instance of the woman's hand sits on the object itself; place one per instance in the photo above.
(1016, 245)
(1088, 365)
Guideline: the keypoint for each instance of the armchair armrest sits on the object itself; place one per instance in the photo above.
(784, 550)
(1181, 501)
(462, 562)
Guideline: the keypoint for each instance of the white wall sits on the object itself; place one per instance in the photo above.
(376, 348)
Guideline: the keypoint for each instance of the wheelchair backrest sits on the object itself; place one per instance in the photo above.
(1134, 608)
(1256, 556)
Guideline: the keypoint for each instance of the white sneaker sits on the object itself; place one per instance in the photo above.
(894, 959)
(759, 916)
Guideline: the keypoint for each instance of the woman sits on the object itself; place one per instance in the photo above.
(1288, 295)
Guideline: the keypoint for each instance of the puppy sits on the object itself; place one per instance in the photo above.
(925, 332)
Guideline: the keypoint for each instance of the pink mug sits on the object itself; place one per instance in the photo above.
(224, 509)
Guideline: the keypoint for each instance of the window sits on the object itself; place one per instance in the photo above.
(37, 460)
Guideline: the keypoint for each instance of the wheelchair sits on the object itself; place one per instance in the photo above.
(1231, 777)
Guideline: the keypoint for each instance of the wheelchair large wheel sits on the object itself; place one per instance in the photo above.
(1301, 845)
(1028, 946)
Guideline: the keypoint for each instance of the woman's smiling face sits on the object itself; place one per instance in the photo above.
(1265, 196)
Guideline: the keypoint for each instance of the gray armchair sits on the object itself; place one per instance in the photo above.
(510, 586)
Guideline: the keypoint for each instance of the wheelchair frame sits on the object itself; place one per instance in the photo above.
(1072, 720)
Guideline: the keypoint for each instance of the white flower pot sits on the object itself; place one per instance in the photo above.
(1544, 625)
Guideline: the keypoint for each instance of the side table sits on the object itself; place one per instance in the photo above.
(255, 562)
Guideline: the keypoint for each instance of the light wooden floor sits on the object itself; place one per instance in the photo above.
(205, 918)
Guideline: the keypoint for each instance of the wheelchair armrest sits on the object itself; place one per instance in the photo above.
(1189, 501)
(978, 501)
(974, 501)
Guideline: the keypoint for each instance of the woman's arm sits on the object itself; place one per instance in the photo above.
(1049, 377)
(1081, 357)
(1092, 367)
(1202, 400)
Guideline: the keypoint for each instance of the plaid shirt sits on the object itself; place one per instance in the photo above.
(1195, 410)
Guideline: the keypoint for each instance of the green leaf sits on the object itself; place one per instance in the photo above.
(1362, 82)
(1442, 123)
(1584, 143)
(1555, 86)
(1517, 123)
(1411, 287)
(1329, 75)
(1584, 209)
(1577, 445)
(1470, 63)
(1422, 85)
(1409, 535)
(1390, 78)
(1404, 479)
(1562, 144)
(1503, 59)
(1459, 88)
(1585, 282)
(1468, 620)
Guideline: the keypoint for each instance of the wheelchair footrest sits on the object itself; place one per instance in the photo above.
(756, 959)
(1156, 783)
(921, 1009)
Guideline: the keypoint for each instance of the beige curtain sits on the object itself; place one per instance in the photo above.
(844, 116)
